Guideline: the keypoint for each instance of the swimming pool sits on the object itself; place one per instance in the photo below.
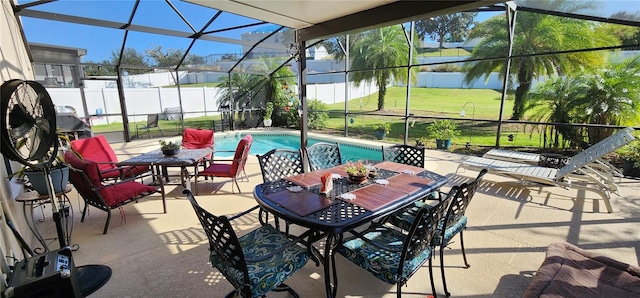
(262, 143)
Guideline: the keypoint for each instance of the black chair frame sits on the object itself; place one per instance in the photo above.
(224, 242)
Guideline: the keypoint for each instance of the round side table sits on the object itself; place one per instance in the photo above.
(32, 199)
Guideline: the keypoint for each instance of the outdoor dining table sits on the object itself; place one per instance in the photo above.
(159, 163)
(396, 186)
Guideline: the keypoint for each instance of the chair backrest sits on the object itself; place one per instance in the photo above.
(323, 156)
(97, 149)
(85, 177)
(404, 154)
(280, 163)
(223, 243)
(152, 120)
(193, 138)
(591, 154)
(241, 155)
(421, 234)
(460, 198)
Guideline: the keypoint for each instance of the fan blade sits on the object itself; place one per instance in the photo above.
(20, 118)
(43, 124)
(36, 142)
(20, 131)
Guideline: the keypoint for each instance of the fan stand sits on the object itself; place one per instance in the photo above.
(90, 277)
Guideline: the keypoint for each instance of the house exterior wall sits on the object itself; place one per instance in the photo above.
(14, 64)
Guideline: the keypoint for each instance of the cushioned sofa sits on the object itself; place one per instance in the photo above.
(569, 271)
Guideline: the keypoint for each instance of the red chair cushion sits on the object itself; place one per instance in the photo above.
(197, 138)
(121, 192)
(89, 167)
(97, 149)
(231, 170)
(129, 172)
(218, 170)
(236, 166)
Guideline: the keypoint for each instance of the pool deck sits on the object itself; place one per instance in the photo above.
(510, 225)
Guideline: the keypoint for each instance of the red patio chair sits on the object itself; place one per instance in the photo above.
(85, 177)
(98, 150)
(232, 170)
(195, 138)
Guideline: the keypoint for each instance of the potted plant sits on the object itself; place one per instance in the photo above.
(381, 130)
(443, 131)
(357, 171)
(421, 142)
(169, 148)
(268, 110)
(58, 171)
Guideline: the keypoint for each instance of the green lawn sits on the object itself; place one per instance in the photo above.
(445, 53)
(434, 102)
(424, 102)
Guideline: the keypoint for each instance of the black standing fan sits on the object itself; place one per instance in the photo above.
(29, 136)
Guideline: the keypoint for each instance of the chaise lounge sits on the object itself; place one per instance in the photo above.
(578, 173)
(621, 136)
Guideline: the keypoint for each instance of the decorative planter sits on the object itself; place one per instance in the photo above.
(443, 144)
(59, 178)
(357, 179)
(267, 122)
(380, 134)
(171, 152)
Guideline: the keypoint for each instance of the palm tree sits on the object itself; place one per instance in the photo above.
(534, 34)
(614, 97)
(375, 53)
(558, 100)
(265, 83)
(245, 87)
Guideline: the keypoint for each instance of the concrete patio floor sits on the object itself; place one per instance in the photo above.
(510, 225)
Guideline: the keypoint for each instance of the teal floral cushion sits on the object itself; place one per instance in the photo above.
(381, 263)
(450, 231)
(267, 274)
(404, 218)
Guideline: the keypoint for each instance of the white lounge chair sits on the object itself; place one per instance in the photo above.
(578, 173)
(535, 158)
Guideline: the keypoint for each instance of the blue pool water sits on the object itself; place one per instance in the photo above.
(263, 143)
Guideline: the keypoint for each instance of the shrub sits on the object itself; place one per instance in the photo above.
(447, 68)
(318, 116)
(383, 126)
(442, 130)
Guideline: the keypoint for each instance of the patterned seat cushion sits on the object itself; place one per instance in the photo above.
(404, 218)
(382, 264)
(450, 231)
(268, 274)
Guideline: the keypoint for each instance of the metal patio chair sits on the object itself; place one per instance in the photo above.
(454, 221)
(393, 256)
(323, 156)
(229, 169)
(280, 163)
(404, 154)
(152, 122)
(256, 263)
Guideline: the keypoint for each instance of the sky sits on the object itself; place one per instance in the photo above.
(100, 42)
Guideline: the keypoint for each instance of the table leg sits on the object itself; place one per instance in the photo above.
(330, 275)
(157, 175)
(164, 197)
